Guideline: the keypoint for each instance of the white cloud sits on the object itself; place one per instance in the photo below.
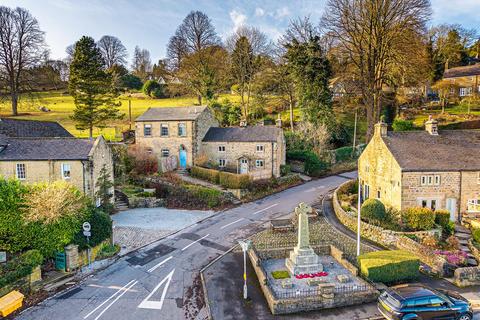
(259, 12)
(282, 12)
(237, 18)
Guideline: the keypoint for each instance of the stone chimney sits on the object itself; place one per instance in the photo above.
(431, 126)
(380, 129)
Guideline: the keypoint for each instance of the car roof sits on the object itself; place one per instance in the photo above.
(405, 292)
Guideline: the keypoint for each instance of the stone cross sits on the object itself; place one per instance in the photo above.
(303, 233)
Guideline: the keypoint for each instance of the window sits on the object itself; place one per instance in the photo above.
(379, 194)
(424, 203)
(147, 130)
(367, 168)
(478, 178)
(182, 130)
(259, 163)
(422, 302)
(21, 172)
(424, 181)
(65, 170)
(221, 148)
(430, 180)
(437, 180)
(473, 205)
(259, 148)
(463, 92)
(433, 205)
(164, 130)
(165, 153)
(366, 192)
(222, 163)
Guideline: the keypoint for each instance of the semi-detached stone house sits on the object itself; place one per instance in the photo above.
(467, 80)
(191, 133)
(431, 168)
(38, 151)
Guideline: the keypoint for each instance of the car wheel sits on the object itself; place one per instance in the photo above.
(465, 316)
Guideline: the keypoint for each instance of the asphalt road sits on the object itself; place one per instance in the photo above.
(161, 281)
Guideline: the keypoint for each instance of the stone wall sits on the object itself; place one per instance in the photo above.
(145, 202)
(101, 155)
(470, 188)
(327, 296)
(469, 276)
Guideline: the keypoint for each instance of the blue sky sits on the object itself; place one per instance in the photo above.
(150, 24)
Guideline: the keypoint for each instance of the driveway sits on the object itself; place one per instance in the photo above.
(136, 228)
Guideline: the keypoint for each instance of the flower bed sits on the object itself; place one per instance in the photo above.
(311, 275)
(457, 258)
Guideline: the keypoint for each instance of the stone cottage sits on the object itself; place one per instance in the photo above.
(193, 134)
(430, 168)
(37, 151)
(465, 78)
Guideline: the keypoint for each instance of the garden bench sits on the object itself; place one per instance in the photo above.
(10, 302)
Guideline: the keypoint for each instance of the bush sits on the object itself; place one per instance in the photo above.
(476, 235)
(449, 228)
(373, 209)
(389, 266)
(107, 250)
(280, 274)
(285, 169)
(418, 218)
(211, 175)
(19, 267)
(150, 86)
(430, 241)
(442, 218)
(343, 154)
(403, 125)
(234, 181)
(313, 165)
(453, 243)
(211, 197)
(101, 229)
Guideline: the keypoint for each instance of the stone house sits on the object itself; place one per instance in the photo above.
(174, 131)
(465, 80)
(430, 168)
(192, 134)
(256, 150)
(37, 151)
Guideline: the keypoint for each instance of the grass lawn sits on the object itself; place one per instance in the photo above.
(62, 106)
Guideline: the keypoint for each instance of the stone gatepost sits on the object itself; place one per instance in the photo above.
(327, 292)
(71, 257)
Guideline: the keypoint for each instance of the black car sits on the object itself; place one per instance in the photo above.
(406, 302)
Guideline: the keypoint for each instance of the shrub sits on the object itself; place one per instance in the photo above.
(144, 161)
(449, 228)
(101, 229)
(234, 181)
(205, 174)
(285, 169)
(430, 241)
(150, 86)
(442, 218)
(373, 209)
(453, 243)
(19, 267)
(476, 235)
(403, 125)
(280, 274)
(343, 154)
(313, 165)
(107, 250)
(389, 266)
(418, 218)
(211, 197)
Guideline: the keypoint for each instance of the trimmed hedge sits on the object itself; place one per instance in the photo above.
(418, 218)
(389, 266)
(373, 209)
(234, 181)
(211, 197)
(211, 175)
(19, 267)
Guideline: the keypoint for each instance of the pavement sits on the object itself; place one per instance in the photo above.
(136, 228)
(161, 280)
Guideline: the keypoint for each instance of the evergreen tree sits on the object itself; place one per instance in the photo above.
(311, 73)
(104, 185)
(91, 87)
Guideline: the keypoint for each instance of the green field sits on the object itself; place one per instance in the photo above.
(61, 106)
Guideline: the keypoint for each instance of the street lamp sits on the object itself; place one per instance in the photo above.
(359, 205)
(245, 244)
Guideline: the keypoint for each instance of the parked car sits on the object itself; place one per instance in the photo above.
(414, 301)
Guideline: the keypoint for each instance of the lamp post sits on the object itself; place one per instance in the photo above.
(358, 215)
(245, 244)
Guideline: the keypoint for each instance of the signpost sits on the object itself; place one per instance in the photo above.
(3, 256)
(87, 233)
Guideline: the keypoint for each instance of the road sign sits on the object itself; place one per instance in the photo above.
(3, 256)
(86, 226)
(87, 233)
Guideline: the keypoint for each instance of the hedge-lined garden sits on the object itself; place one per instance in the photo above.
(225, 179)
(389, 266)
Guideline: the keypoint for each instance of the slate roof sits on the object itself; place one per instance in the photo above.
(32, 128)
(243, 134)
(171, 113)
(46, 149)
(466, 71)
(451, 150)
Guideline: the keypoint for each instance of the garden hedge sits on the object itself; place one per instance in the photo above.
(418, 218)
(373, 209)
(442, 218)
(211, 175)
(234, 181)
(313, 165)
(389, 266)
(19, 267)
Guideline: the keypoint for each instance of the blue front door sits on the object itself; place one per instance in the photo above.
(183, 159)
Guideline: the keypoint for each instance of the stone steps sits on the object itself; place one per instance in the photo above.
(461, 229)
(465, 236)
(121, 206)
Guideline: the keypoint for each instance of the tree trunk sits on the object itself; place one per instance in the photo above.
(199, 98)
(291, 114)
(90, 132)
(14, 96)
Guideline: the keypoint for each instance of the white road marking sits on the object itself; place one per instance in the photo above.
(231, 223)
(115, 300)
(188, 246)
(159, 264)
(145, 304)
(314, 189)
(113, 295)
(265, 209)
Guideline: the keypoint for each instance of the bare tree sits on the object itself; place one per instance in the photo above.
(195, 33)
(373, 33)
(113, 51)
(142, 64)
(261, 45)
(300, 30)
(22, 46)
